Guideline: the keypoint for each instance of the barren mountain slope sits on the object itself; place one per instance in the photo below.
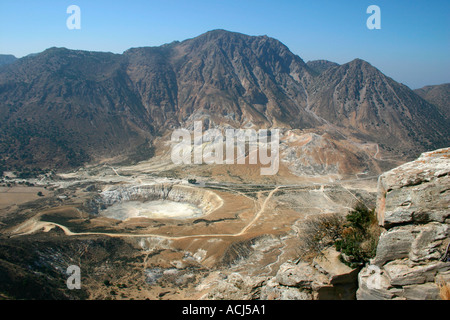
(64, 108)
(360, 99)
(439, 95)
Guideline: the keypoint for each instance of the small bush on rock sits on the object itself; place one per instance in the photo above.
(319, 232)
(359, 238)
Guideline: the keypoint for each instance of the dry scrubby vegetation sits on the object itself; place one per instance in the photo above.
(355, 236)
(444, 290)
(319, 232)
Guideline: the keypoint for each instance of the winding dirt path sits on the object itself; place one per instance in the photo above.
(258, 214)
(35, 224)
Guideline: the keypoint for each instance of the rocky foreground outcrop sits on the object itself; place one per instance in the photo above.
(413, 206)
(324, 278)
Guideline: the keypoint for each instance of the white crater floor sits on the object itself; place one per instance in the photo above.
(159, 209)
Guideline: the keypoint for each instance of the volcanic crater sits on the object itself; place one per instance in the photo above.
(157, 201)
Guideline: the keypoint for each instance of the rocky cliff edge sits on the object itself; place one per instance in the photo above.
(413, 207)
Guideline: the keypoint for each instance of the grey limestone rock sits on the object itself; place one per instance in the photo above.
(413, 206)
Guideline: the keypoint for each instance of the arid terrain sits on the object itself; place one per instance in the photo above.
(87, 177)
(246, 228)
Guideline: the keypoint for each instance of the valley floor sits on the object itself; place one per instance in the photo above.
(251, 231)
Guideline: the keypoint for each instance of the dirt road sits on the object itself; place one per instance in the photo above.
(35, 224)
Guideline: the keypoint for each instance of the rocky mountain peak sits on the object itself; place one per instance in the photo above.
(7, 59)
(225, 78)
(438, 95)
(320, 66)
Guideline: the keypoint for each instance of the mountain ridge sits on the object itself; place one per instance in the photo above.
(320, 66)
(91, 105)
(438, 95)
(7, 59)
(358, 96)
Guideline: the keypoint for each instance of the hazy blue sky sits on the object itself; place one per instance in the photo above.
(413, 45)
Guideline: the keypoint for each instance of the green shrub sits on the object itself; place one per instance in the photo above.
(361, 217)
(359, 237)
